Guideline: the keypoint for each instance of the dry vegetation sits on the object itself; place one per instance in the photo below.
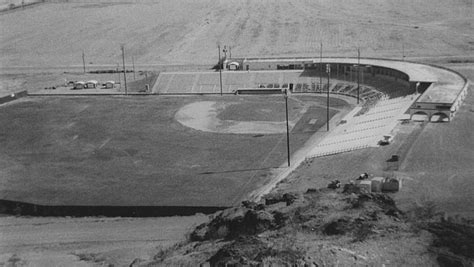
(187, 31)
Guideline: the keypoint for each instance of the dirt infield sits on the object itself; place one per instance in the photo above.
(244, 117)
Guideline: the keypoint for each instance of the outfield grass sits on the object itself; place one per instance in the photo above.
(131, 151)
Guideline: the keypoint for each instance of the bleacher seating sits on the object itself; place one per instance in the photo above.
(206, 82)
(183, 84)
(363, 130)
(162, 82)
(346, 89)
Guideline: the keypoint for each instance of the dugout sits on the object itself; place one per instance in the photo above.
(79, 85)
(92, 84)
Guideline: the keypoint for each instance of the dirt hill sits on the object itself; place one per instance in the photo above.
(324, 227)
(188, 31)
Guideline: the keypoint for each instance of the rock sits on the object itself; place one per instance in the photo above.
(137, 262)
(235, 222)
(338, 227)
(199, 233)
(351, 188)
(288, 198)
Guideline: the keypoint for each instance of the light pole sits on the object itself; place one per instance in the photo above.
(118, 75)
(133, 66)
(321, 67)
(220, 67)
(328, 71)
(124, 70)
(403, 51)
(285, 95)
(358, 75)
(83, 61)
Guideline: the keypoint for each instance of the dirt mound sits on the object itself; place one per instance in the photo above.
(249, 219)
(251, 251)
(275, 231)
(235, 222)
(322, 227)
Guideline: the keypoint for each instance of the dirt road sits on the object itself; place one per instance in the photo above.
(66, 241)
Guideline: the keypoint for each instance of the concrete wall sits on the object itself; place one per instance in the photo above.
(13, 96)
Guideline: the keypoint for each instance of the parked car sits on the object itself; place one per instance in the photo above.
(387, 139)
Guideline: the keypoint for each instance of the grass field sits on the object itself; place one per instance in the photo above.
(131, 151)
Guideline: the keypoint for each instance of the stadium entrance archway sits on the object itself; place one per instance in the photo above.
(420, 116)
(439, 117)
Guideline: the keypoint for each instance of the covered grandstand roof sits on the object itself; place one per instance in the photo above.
(447, 83)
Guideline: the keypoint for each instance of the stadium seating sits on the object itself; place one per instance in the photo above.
(363, 130)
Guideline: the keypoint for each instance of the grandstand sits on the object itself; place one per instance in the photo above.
(441, 90)
(365, 130)
(208, 83)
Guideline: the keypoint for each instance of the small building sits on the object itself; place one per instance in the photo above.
(92, 84)
(70, 83)
(109, 85)
(79, 85)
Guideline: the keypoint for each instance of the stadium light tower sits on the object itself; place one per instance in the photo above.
(403, 51)
(358, 75)
(321, 67)
(83, 61)
(124, 70)
(328, 71)
(133, 66)
(220, 66)
(285, 95)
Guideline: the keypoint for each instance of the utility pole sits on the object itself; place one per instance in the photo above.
(358, 75)
(133, 66)
(230, 52)
(220, 67)
(146, 82)
(124, 70)
(403, 51)
(83, 61)
(285, 95)
(321, 67)
(225, 52)
(328, 70)
(118, 75)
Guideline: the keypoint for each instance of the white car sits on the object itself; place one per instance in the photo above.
(387, 139)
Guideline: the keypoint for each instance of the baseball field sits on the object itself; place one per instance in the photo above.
(150, 151)
(155, 151)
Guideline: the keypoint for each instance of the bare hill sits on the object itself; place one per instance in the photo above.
(187, 31)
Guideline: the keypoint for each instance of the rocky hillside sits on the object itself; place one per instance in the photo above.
(324, 227)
